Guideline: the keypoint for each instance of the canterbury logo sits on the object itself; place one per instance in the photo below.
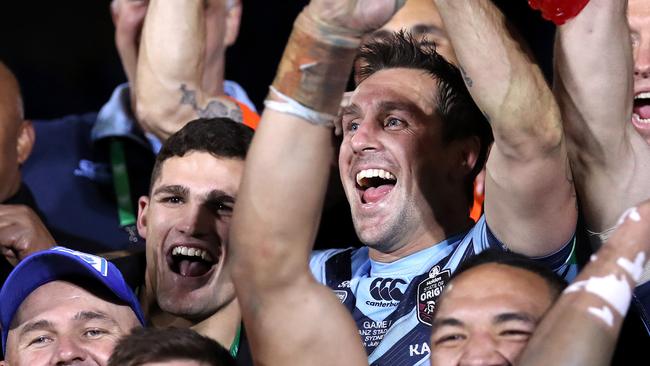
(386, 289)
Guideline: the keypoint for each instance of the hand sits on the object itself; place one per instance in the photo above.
(354, 16)
(22, 233)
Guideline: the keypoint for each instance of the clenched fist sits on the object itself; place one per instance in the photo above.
(22, 233)
(354, 16)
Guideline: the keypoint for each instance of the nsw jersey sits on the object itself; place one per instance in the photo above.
(392, 303)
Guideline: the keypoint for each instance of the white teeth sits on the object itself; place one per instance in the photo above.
(372, 173)
(639, 119)
(192, 252)
(645, 95)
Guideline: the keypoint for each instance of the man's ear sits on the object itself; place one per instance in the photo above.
(233, 20)
(25, 141)
(468, 152)
(114, 11)
(143, 208)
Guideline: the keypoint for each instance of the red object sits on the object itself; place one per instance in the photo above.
(558, 11)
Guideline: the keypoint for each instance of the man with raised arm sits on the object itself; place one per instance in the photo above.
(609, 158)
(412, 143)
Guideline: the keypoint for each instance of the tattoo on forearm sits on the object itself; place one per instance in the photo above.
(214, 108)
(468, 81)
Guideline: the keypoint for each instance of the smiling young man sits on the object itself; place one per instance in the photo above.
(479, 323)
(413, 141)
(185, 222)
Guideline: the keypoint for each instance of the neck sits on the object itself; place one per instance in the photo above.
(221, 326)
(430, 231)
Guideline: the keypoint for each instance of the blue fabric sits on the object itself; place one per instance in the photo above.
(391, 303)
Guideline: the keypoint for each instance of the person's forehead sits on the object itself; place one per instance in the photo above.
(499, 285)
(638, 12)
(201, 170)
(397, 85)
(58, 300)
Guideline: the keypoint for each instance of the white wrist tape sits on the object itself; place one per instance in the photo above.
(291, 106)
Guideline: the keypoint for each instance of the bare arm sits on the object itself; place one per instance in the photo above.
(583, 325)
(528, 184)
(176, 81)
(593, 86)
(291, 319)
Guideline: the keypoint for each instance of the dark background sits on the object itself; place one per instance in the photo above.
(64, 55)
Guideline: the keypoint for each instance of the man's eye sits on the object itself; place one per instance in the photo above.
(516, 334)
(94, 333)
(172, 199)
(392, 122)
(223, 209)
(40, 340)
(449, 339)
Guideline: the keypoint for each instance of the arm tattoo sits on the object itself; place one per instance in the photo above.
(468, 81)
(215, 108)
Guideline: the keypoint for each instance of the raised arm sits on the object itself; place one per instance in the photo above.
(530, 201)
(180, 76)
(593, 85)
(290, 318)
(583, 326)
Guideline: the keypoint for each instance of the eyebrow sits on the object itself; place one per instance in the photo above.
(93, 315)
(35, 326)
(219, 195)
(351, 109)
(389, 106)
(515, 316)
(446, 322)
(176, 190)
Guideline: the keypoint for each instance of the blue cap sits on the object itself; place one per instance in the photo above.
(55, 264)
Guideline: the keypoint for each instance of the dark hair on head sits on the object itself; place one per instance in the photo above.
(460, 116)
(497, 256)
(221, 137)
(145, 345)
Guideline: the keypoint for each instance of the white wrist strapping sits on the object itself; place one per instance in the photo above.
(291, 106)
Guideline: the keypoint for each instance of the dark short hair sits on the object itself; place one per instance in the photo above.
(146, 345)
(461, 118)
(221, 137)
(555, 283)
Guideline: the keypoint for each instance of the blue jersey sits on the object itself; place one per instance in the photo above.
(392, 303)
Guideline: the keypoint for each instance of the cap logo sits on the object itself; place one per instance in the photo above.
(98, 263)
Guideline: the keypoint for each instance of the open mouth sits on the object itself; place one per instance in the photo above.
(375, 184)
(641, 109)
(190, 261)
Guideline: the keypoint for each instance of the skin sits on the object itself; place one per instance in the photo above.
(69, 325)
(479, 323)
(421, 18)
(176, 363)
(190, 209)
(21, 230)
(173, 35)
(16, 134)
(609, 158)
(407, 142)
(638, 16)
(219, 31)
